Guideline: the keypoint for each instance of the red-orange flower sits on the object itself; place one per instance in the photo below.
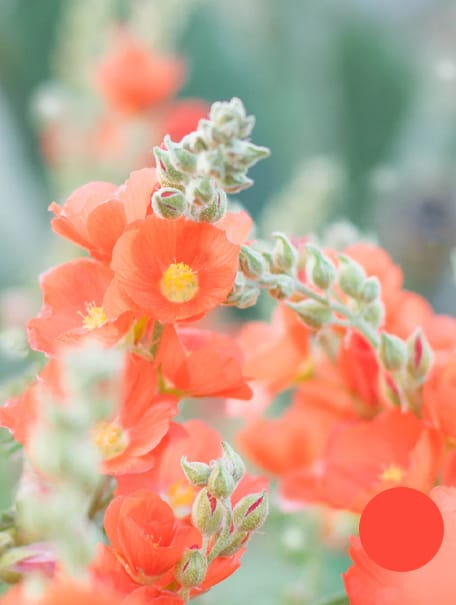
(96, 214)
(200, 363)
(439, 397)
(132, 79)
(128, 441)
(173, 270)
(145, 537)
(369, 584)
(59, 592)
(365, 457)
(73, 309)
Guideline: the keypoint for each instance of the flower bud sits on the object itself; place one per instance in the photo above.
(369, 290)
(236, 182)
(392, 352)
(192, 568)
(282, 286)
(244, 294)
(220, 483)
(182, 159)
(233, 461)
(168, 175)
(169, 203)
(313, 314)
(239, 541)
(207, 513)
(419, 355)
(374, 313)
(250, 513)
(320, 269)
(350, 276)
(252, 263)
(389, 389)
(215, 210)
(197, 473)
(284, 254)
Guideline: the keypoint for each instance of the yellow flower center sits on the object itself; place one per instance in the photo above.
(179, 283)
(95, 317)
(180, 495)
(110, 439)
(393, 473)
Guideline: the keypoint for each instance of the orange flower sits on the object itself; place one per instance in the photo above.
(68, 592)
(439, 397)
(145, 537)
(365, 457)
(275, 353)
(173, 270)
(197, 441)
(132, 79)
(297, 438)
(96, 214)
(368, 583)
(73, 308)
(199, 363)
(128, 441)
(359, 368)
(20, 413)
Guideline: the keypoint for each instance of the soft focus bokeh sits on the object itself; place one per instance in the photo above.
(355, 98)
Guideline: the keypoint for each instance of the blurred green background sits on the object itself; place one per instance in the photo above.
(356, 99)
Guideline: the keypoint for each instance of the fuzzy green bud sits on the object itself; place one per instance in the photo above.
(169, 203)
(250, 512)
(167, 174)
(313, 314)
(280, 286)
(244, 294)
(284, 254)
(350, 276)
(216, 209)
(392, 352)
(233, 461)
(419, 355)
(234, 183)
(197, 473)
(240, 540)
(369, 290)
(192, 568)
(182, 159)
(252, 263)
(320, 269)
(374, 313)
(220, 483)
(207, 513)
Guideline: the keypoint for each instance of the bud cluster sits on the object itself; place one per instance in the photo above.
(197, 173)
(324, 293)
(224, 529)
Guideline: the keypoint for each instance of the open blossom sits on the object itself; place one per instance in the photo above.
(146, 542)
(132, 79)
(73, 311)
(369, 584)
(127, 442)
(362, 458)
(172, 270)
(95, 215)
(200, 363)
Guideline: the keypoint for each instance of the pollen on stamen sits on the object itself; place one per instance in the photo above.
(393, 474)
(179, 283)
(95, 317)
(110, 439)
